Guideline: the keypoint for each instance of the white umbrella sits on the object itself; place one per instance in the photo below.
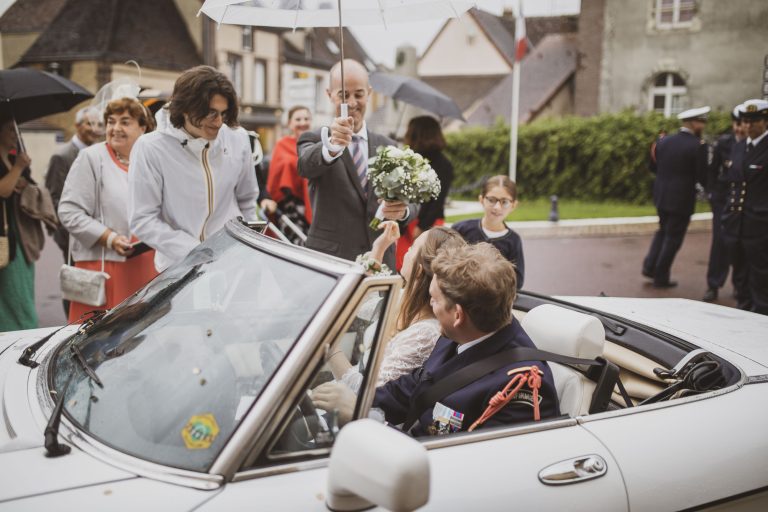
(325, 13)
(329, 13)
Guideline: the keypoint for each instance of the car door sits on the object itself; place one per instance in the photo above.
(554, 465)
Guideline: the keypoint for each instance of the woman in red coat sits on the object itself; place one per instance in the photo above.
(284, 183)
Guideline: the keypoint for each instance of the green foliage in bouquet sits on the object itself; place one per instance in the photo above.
(598, 158)
(402, 175)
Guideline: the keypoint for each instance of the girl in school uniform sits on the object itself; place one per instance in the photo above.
(499, 199)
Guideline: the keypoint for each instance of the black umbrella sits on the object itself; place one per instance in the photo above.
(415, 92)
(27, 94)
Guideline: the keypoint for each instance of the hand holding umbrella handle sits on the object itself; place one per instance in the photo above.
(325, 133)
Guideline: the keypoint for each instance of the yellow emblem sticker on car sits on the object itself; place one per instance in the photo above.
(200, 432)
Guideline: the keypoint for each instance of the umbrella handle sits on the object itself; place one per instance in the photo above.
(325, 133)
(21, 148)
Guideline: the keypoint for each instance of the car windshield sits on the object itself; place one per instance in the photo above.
(182, 360)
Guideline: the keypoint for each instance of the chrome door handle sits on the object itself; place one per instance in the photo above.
(574, 470)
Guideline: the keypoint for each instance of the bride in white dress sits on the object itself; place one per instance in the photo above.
(417, 328)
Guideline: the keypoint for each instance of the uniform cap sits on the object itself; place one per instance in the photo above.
(753, 109)
(736, 114)
(694, 113)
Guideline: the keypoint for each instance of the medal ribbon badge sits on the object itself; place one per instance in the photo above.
(445, 420)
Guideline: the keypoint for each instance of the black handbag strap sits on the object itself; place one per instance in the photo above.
(478, 369)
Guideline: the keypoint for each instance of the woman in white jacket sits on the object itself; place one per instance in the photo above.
(195, 172)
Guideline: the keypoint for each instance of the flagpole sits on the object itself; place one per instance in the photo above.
(513, 119)
(513, 122)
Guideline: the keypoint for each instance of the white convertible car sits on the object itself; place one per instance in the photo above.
(193, 395)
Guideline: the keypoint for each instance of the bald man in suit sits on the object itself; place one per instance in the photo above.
(343, 202)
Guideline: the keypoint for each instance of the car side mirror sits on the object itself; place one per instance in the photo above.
(372, 464)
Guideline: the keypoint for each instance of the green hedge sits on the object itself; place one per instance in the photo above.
(597, 158)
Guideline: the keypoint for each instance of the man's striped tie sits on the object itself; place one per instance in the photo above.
(360, 159)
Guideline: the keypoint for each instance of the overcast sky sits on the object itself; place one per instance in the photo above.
(381, 44)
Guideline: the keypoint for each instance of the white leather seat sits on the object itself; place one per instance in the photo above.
(569, 333)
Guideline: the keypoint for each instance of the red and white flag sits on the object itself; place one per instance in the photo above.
(521, 41)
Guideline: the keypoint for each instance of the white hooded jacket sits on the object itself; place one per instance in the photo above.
(184, 189)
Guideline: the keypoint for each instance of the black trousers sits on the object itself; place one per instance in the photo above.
(752, 254)
(666, 242)
(719, 258)
(717, 268)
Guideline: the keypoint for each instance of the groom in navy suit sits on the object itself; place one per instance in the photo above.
(472, 292)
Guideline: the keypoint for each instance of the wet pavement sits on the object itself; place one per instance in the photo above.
(586, 261)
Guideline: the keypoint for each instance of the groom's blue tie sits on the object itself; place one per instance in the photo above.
(360, 160)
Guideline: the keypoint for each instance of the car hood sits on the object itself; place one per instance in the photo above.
(29, 472)
(727, 331)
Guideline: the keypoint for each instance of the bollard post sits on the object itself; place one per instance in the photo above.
(554, 215)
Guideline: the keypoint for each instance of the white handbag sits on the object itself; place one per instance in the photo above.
(84, 286)
(81, 285)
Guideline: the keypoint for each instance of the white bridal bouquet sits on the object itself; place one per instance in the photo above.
(401, 175)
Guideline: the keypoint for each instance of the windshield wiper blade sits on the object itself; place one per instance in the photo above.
(30, 351)
(78, 354)
(52, 446)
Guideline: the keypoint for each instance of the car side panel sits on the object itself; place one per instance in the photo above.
(692, 453)
(125, 496)
(499, 474)
(300, 491)
(502, 474)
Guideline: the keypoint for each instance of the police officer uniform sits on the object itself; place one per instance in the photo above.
(745, 219)
(680, 164)
(718, 191)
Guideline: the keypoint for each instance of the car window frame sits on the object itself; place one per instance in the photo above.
(256, 463)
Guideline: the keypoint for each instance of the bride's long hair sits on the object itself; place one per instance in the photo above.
(416, 295)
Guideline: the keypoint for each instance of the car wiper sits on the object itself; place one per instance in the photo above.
(78, 355)
(30, 351)
(52, 446)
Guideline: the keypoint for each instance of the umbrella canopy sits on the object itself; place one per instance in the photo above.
(318, 13)
(415, 92)
(29, 93)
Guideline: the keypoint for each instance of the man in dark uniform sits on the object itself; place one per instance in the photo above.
(681, 162)
(745, 219)
(717, 190)
(472, 292)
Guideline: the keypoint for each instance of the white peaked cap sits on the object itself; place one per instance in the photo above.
(694, 113)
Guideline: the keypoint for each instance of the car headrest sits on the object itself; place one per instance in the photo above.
(565, 332)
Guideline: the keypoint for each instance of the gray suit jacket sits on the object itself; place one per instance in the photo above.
(341, 210)
(58, 168)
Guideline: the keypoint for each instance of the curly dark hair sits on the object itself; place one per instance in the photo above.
(192, 95)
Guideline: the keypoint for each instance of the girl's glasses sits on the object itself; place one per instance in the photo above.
(505, 203)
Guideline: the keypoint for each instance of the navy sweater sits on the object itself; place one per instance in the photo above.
(510, 245)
